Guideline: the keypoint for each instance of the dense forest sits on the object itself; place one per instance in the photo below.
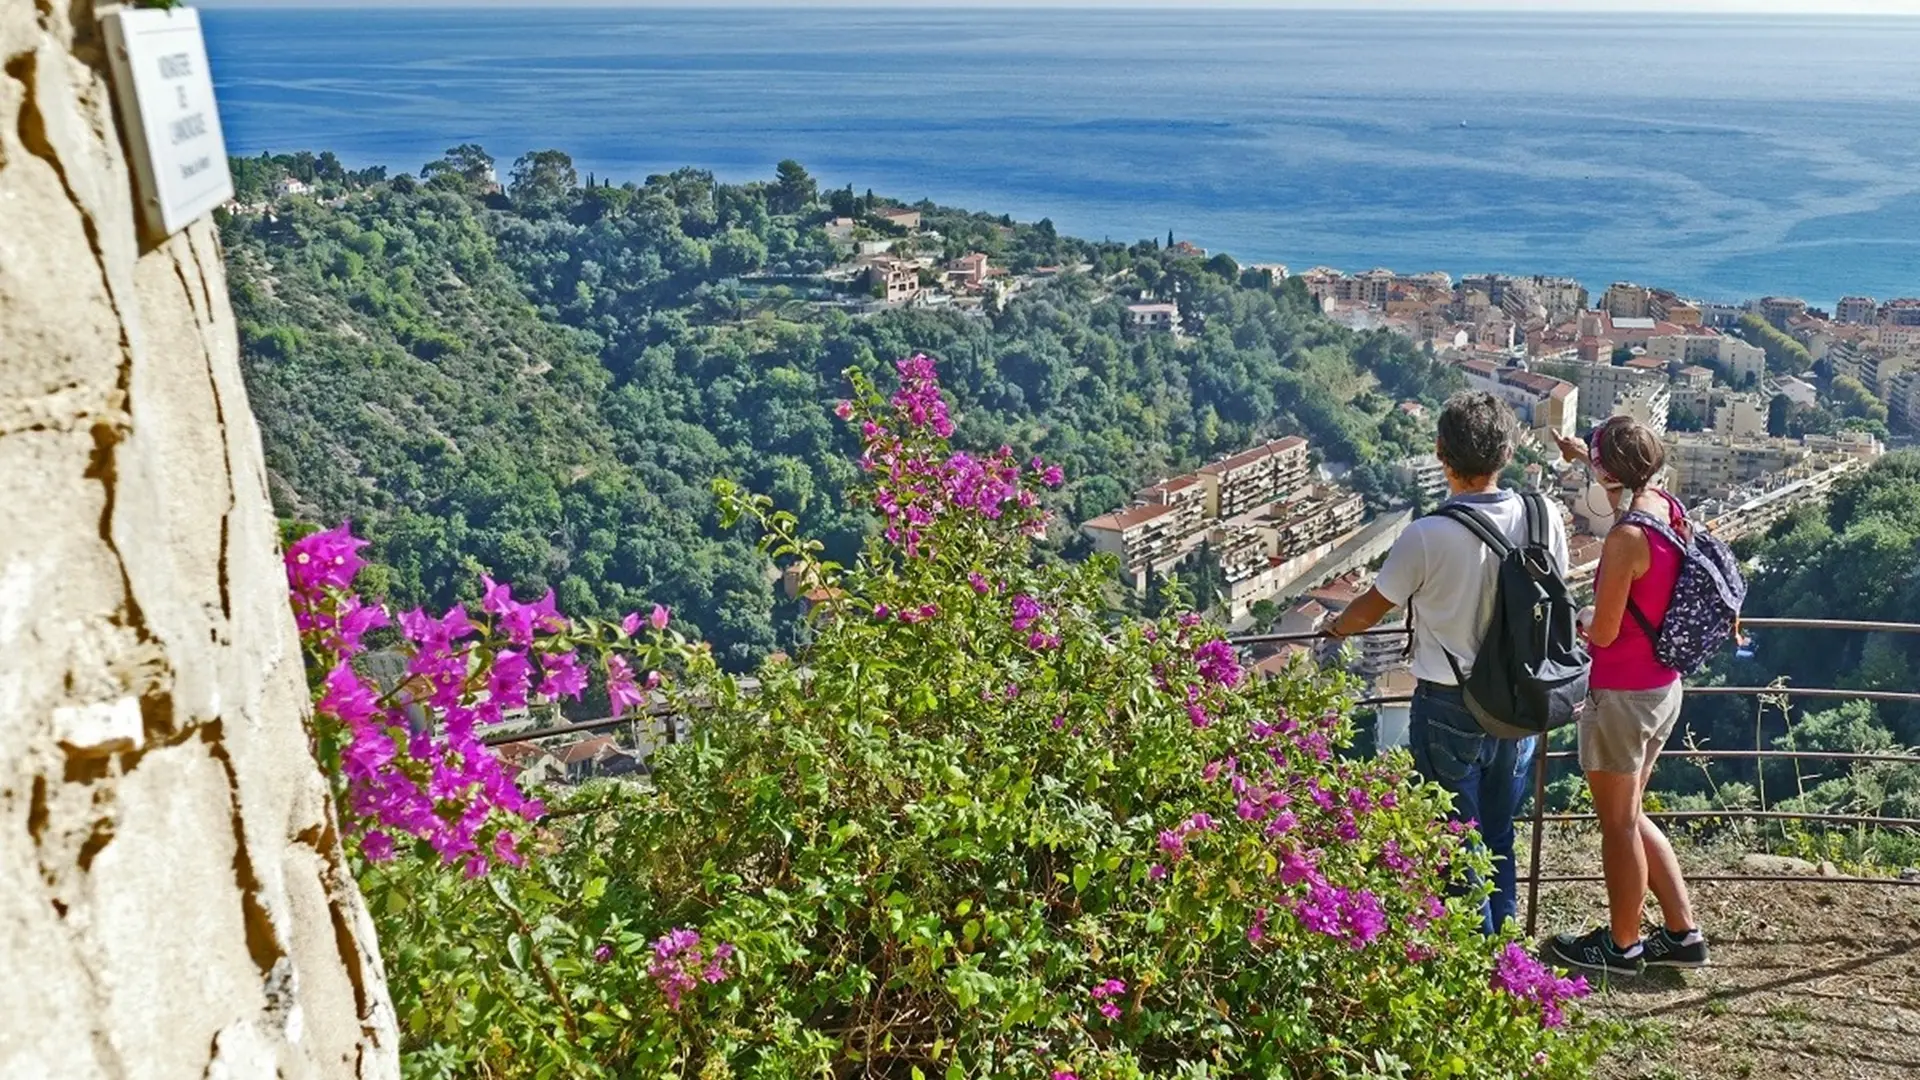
(542, 377)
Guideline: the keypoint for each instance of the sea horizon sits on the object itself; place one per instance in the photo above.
(1723, 156)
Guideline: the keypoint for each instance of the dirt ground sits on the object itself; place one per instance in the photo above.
(1814, 980)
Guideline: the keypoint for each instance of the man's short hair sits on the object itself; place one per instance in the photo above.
(1477, 433)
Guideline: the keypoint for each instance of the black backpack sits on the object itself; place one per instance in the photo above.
(1530, 676)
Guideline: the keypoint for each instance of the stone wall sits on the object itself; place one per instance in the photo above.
(173, 901)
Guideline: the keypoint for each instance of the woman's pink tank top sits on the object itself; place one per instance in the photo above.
(1628, 663)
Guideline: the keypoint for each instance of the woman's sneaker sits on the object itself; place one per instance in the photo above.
(1595, 951)
(1664, 948)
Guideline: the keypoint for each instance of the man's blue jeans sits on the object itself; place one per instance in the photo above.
(1486, 776)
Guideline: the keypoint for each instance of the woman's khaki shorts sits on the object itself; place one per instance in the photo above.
(1622, 730)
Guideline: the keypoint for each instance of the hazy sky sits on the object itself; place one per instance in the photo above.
(1879, 7)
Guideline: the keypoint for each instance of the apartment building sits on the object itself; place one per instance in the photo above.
(1263, 553)
(1754, 508)
(1680, 350)
(1545, 404)
(1154, 318)
(1168, 520)
(1855, 310)
(1742, 362)
(1145, 539)
(1562, 297)
(1903, 311)
(1650, 404)
(1425, 473)
(1246, 481)
(1602, 385)
(1625, 300)
(894, 280)
(1670, 307)
(1780, 310)
(1715, 466)
(1378, 654)
(1903, 400)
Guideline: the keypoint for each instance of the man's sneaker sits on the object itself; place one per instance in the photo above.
(1664, 948)
(1595, 951)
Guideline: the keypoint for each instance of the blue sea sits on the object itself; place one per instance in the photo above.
(1723, 156)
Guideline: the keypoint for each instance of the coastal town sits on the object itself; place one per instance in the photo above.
(1294, 546)
(1281, 536)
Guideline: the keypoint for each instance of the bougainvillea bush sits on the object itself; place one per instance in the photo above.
(979, 827)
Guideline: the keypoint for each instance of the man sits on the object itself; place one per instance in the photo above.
(1445, 575)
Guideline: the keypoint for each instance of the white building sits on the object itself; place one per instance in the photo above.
(1154, 318)
(1648, 404)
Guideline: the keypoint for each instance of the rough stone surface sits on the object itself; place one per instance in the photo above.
(173, 901)
(1760, 863)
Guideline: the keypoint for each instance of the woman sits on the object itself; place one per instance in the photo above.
(1633, 706)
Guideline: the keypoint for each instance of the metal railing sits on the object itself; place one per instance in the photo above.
(1539, 819)
(1534, 876)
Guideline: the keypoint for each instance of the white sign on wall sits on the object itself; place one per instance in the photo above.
(165, 90)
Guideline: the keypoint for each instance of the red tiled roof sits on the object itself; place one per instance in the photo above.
(1122, 520)
(1258, 453)
(587, 750)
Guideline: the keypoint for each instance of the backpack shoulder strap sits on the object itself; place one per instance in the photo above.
(1477, 524)
(1655, 525)
(1534, 508)
(1646, 625)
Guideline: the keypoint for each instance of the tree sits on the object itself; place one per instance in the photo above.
(466, 165)
(1784, 355)
(1853, 399)
(1682, 418)
(1779, 410)
(793, 188)
(844, 203)
(1622, 354)
(738, 251)
(542, 179)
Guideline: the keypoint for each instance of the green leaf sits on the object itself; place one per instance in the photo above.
(517, 950)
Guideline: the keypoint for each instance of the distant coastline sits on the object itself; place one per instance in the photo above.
(1637, 149)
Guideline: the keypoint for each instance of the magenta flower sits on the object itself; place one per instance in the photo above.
(321, 560)
(566, 677)
(507, 681)
(1025, 610)
(603, 953)
(1523, 976)
(1217, 663)
(1156, 872)
(1258, 930)
(979, 583)
(622, 693)
(658, 620)
(844, 410)
(631, 624)
(376, 846)
(1104, 994)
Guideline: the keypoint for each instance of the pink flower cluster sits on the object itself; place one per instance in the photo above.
(1106, 995)
(1522, 975)
(921, 481)
(1173, 842)
(1355, 916)
(680, 965)
(412, 759)
(1217, 663)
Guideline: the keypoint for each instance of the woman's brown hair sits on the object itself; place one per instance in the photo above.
(1629, 451)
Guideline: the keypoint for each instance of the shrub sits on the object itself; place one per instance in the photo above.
(978, 827)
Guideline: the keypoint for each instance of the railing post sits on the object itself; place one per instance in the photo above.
(1539, 828)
